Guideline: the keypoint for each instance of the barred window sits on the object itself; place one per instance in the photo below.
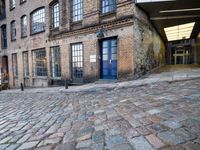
(55, 62)
(55, 15)
(12, 4)
(38, 21)
(23, 26)
(39, 63)
(25, 64)
(3, 37)
(14, 65)
(13, 30)
(77, 10)
(108, 6)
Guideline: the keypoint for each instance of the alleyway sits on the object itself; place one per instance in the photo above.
(158, 115)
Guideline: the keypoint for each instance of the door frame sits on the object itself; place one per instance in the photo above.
(100, 41)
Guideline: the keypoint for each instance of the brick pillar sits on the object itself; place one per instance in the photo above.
(63, 15)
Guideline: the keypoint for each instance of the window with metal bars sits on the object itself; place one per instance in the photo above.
(39, 63)
(77, 10)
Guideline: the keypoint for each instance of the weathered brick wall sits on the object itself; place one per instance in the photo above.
(149, 49)
(133, 52)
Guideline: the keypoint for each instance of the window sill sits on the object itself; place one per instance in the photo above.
(32, 34)
(23, 37)
(40, 77)
(56, 78)
(22, 2)
(54, 29)
(108, 14)
(76, 22)
(13, 40)
(11, 9)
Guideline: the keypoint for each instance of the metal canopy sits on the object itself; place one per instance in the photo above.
(171, 13)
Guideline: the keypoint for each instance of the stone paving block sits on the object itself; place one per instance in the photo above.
(84, 144)
(3, 146)
(171, 138)
(179, 147)
(12, 147)
(171, 124)
(57, 135)
(98, 137)
(153, 111)
(123, 147)
(191, 146)
(15, 138)
(186, 135)
(190, 123)
(98, 146)
(53, 129)
(143, 130)
(134, 123)
(28, 145)
(45, 148)
(46, 142)
(66, 146)
(153, 140)
(131, 132)
(69, 137)
(155, 119)
(140, 143)
(5, 140)
(156, 128)
(113, 141)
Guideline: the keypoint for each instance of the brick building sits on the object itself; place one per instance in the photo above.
(44, 42)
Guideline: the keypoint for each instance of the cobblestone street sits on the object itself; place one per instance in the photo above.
(163, 115)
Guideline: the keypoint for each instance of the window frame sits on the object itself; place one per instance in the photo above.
(76, 10)
(38, 61)
(110, 11)
(26, 72)
(53, 62)
(22, 1)
(53, 16)
(4, 37)
(77, 62)
(23, 27)
(3, 10)
(31, 20)
(12, 4)
(13, 30)
(15, 65)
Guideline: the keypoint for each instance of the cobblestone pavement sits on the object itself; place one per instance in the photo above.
(163, 115)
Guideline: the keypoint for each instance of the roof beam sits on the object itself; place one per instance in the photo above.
(174, 17)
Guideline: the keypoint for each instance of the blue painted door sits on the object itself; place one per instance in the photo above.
(109, 59)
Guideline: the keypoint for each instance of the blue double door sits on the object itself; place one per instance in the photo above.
(108, 59)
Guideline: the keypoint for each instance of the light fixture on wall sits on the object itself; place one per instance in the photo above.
(100, 33)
